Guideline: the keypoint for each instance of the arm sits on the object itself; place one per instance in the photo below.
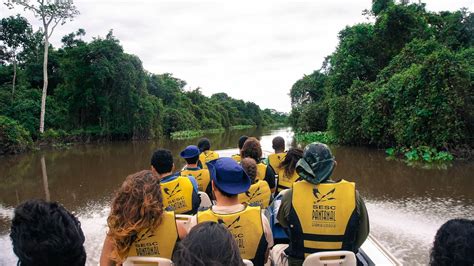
(107, 249)
(285, 208)
(364, 228)
(267, 230)
(182, 229)
(270, 178)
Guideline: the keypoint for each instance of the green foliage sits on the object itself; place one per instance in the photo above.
(309, 137)
(422, 153)
(189, 134)
(404, 81)
(97, 91)
(13, 137)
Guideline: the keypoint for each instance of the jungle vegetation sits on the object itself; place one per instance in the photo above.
(404, 80)
(98, 91)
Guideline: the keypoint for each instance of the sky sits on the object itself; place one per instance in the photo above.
(251, 50)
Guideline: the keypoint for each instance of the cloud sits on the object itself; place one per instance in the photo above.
(252, 50)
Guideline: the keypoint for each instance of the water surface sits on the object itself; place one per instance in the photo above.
(406, 205)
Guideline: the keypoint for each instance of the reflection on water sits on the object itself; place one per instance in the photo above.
(406, 205)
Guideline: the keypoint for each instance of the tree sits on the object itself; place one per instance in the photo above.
(14, 33)
(51, 15)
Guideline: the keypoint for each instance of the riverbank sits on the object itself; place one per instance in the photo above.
(418, 154)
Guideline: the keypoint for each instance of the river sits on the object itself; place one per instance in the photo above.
(406, 204)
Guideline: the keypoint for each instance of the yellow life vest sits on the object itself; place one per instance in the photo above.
(285, 182)
(258, 194)
(323, 217)
(275, 160)
(247, 228)
(178, 194)
(236, 157)
(261, 171)
(158, 242)
(207, 156)
(202, 177)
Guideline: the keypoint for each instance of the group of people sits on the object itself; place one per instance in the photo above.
(253, 197)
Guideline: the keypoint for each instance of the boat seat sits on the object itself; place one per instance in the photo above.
(205, 200)
(147, 261)
(331, 258)
(247, 262)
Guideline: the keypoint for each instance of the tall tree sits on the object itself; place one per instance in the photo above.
(14, 33)
(51, 14)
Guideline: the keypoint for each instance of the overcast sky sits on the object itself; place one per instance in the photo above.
(252, 50)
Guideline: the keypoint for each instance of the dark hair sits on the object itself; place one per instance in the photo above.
(289, 163)
(204, 144)
(208, 243)
(454, 243)
(250, 167)
(162, 161)
(45, 233)
(278, 143)
(192, 160)
(242, 140)
(252, 149)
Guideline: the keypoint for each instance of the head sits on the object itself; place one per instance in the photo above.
(250, 167)
(317, 163)
(162, 161)
(289, 163)
(190, 154)
(454, 243)
(137, 205)
(204, 144)
(45, 233)
(242, 140)
(208, 243)
(278, 144)
(251, 149)
(228, 178)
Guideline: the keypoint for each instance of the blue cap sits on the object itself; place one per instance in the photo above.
(190, 152)
(229, 176)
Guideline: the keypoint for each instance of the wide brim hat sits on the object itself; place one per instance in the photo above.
(317, 163)
(190, 151)
(229, 176)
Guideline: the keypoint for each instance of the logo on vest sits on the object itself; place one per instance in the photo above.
(175, 203)
(144, 247)
(323, 215)
(234, 230)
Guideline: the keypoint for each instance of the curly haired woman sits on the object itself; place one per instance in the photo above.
(138, 224)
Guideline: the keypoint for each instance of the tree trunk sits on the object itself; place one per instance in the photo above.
(45, 80)
(14, 75)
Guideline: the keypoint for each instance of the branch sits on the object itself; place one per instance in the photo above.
(56, 22)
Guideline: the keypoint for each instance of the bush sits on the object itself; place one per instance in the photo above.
(14, 138)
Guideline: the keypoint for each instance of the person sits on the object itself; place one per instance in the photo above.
(252, 149)
(138, 225)
(180, 193)
(259, 193)
(321, 214)
(288, 174)
(202, 176)
(206, 155)
(242, 140)
(454, 243)
(45, 233)
(275, 159)
(247, 224)
(208, 243)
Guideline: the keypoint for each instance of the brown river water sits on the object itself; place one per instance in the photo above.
(406, 204)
